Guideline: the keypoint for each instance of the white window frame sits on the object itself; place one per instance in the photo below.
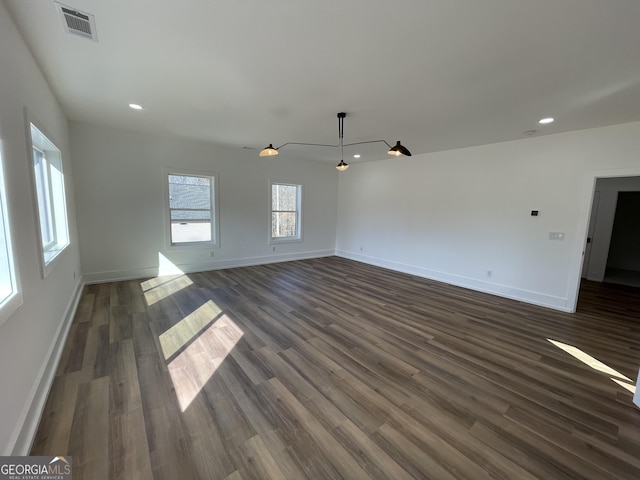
(49, 196)
(215, 211)
(299, 214)
(13, 300)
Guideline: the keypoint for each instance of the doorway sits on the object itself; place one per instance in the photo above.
(595, 269)
(611, 251)
(623, 262)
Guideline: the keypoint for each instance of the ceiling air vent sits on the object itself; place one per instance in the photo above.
(78, 23)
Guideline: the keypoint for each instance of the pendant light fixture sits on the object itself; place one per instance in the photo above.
(397, 150)
(342, 166)
(268, 152)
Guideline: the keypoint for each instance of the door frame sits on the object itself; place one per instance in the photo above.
(593, 219)
(586, 203)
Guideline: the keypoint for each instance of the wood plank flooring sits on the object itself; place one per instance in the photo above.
(332, 369)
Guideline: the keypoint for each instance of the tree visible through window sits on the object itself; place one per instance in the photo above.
(285, 211)
(191, 209)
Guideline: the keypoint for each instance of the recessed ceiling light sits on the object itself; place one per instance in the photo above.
(546, 120)
(135, 106)
(357, 155)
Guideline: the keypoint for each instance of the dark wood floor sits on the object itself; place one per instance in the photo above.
(330, 369)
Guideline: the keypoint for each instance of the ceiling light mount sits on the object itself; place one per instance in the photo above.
(397, 150)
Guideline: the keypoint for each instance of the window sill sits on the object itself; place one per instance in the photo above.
(276, 241)
(49, 255)
(194, 245)
(50, 258)
(9, 306)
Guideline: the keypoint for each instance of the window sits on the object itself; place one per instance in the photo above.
(286, 208)
(10, 297)
(50, 197)
(192, 215)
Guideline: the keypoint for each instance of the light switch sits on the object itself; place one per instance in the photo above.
(556, 236)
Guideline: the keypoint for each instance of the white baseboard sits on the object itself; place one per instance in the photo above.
(527, 296)
(134, 274)
(34, 406)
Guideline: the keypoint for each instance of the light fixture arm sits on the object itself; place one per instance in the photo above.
(368, 141)
(334, 146)
(307, 144)
(397, 150)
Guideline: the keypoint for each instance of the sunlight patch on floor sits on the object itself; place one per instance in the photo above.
(169, 281)
(195, 365)
(589, 360)
(186, 329)
(160, 288)
(596, 364)
(628, 386)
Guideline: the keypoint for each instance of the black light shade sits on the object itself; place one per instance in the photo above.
(268, 151)
(399, 149)
(342, 166)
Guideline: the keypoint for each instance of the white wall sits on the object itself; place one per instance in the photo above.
(29, 338)
(119, 186)
(605, 215)
(455, 215)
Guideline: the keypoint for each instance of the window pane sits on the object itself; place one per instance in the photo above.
(284, 197)
(190, 208)
(6, 280)
(8, 287)
(42, 191)
(285, 211)
(189, 192)
(283, 224)
(187, 232)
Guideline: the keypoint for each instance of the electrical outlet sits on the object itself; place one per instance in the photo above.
(211, 253)
(274, 249)
(556, 236)
(361, 248)
(489, 273)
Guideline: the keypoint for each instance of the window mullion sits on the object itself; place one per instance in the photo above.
(50, 210)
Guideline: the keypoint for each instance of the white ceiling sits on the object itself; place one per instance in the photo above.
(435, 74)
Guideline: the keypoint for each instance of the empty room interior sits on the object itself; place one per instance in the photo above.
(323, 240)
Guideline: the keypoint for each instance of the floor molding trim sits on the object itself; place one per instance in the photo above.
(34, 406)
(527, 296)
(135, 274)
